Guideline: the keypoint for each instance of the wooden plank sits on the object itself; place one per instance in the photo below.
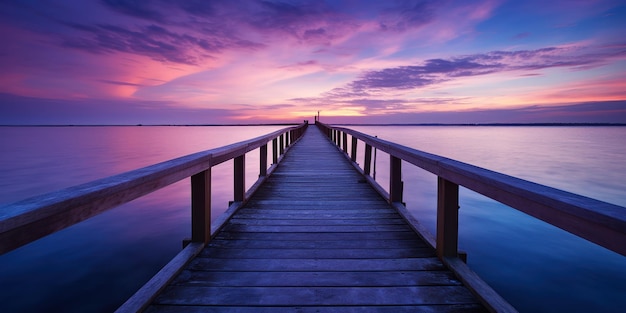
(318, 236)
(326, 265)
(315, 229)
(317, 244)
(317, 279)
(452, 308)
(317, 222)
(331, 215)
(381, 253)
(303, 296)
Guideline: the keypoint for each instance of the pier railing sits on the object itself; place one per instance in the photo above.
(28, 220)
(599, 222)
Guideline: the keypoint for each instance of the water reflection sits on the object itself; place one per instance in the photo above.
(96, 265)
(535, 266)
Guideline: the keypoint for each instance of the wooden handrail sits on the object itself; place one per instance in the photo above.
(30, 219)
(597, 221)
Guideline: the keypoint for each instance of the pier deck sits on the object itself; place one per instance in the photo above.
(316, 237)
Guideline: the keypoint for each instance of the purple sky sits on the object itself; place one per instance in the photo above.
(172, 62)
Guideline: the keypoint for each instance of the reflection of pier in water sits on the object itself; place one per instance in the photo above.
(315, 232)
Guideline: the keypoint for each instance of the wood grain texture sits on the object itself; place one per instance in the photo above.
(316, 238)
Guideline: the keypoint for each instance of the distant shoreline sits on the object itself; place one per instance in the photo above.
(341, 124)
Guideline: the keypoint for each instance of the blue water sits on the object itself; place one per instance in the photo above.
(96, 265)
(535, 266)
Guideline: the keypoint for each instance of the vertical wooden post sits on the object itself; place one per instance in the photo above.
(368, 159)
(282, 144)
(353, 154)
(263, 160)
(395, 179)
(201, 206)
(447, 218)
(287, 138)
(338, 138)
(345, 142)
(240, 178)
(274, 151)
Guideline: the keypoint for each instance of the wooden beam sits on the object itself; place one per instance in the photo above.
(353, 154)
(263, 160)
(239, 178)
(367, 167)
(201, 207)
(447, 218)
(274, 151)
(395, 179)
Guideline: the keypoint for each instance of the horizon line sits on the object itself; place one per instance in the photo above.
(341, 124)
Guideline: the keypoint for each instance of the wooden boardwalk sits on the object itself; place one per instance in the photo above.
(316, 238)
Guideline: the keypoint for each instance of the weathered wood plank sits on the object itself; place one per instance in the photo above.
(317, 222)
(325, 265)
(302, 296)
(407, 235)
(318, 244)
(453, 308)
(330, 215)
(382, 253)
(317, 279)
(314, 229)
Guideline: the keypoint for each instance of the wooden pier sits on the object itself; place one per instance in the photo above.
(315, 232)
(316, 238)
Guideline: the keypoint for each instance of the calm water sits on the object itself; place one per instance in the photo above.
(96, 265)
(535, 266)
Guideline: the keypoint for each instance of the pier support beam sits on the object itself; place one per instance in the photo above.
(240, 178)
(353, 154)
(201, 207)
(263, 160)
(367, 167)
(395, 179)
(447, 218)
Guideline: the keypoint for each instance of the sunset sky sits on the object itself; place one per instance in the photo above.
(201, 62)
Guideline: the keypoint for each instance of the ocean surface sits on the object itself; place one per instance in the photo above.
(96, 265)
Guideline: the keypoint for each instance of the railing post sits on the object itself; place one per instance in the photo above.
(395, 179)
(263, 160)
(282, 144)
(447, 218)
(287, 138)
(339, 139)
(240, 178)
(353, 154)
(368, 159)
(201, 206)
(345, 142)
(274, 151)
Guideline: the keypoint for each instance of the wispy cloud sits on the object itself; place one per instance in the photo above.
(434, 71)
(153, 41)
